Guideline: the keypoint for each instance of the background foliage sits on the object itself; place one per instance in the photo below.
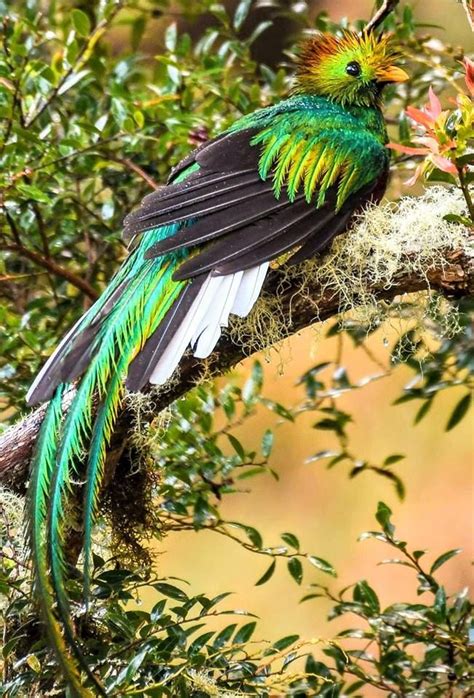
(90, 121)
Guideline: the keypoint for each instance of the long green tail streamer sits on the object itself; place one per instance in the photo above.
(40, 481)
(145, 300)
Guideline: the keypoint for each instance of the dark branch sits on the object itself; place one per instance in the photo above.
(453, 278)
(54, 268)
(469, 9)
(382, 13)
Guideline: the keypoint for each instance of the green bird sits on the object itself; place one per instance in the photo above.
(280, 183)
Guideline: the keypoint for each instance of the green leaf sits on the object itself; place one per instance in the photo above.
(349, 690)
(241, 13)
(383, 517)
(254, 536)
(295, 568)
(224, 636)
(197, 645)
(279, 409)
(81, 22)
(157, 610)
(245, 633)
(440, 601)
(11, 644)
(399, 486)
(133, 666)
(34, 193)
(285, 642)
(322, 565)
(394, 458)
(237, 446)
(171, 35)
(440, 176)
(455, 218)
(34, 663)
(253, 385)
(259, 29)
(267, 443)
(444, 558)
(322, 454)
(252, 533)
(459, 411)
(266, 575)
(251, 472)
(363, 593)
(423, 411)
(418, 553)
(465, 160)
(72, 80)
(171, 591)
(291, 540)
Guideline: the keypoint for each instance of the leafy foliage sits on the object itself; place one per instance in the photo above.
(168, 648)
(90, 123)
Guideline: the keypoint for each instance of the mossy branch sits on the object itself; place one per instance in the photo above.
(390, 251)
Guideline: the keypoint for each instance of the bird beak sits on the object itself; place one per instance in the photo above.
(392, 74)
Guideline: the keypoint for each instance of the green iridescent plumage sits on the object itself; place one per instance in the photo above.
(285, 179)
(314, 143)
(149, 293)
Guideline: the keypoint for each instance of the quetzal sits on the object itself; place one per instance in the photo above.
(283, 180)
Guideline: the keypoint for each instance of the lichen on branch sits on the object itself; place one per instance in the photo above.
(387, 244)
(392, 249)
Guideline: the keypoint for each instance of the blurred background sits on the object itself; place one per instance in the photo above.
(323, 507)
(448, 15)
(327, 510)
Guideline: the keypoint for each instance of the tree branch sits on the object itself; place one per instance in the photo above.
(469, 9)
(55, 268)
(382, 13)
(130, 165)
(454, 277)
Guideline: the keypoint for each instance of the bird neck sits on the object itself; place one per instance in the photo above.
(372, 118)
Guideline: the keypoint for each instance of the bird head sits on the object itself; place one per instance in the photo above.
(351, 69)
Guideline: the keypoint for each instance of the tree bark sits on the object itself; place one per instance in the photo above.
(454, 279)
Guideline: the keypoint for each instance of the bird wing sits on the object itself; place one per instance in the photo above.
(285, 179)
(256, 193)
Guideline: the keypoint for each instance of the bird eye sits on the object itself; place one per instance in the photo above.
(353, 68)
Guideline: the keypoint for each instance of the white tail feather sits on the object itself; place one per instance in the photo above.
(180, 341)
(218, 297)
(250, 287)
(218, 317)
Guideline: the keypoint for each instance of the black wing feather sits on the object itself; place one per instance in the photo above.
(227, 208)
(241, 250)
(142, 366)
(232, 219)
(224, 206)
(317, 243)
(74, 356)
(219, 223)
(213, 202)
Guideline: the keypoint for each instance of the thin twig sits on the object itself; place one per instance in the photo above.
(382, 13)
(4, 278)
(130, 165)
(466, 192)
(469, 7)
(48, 264)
